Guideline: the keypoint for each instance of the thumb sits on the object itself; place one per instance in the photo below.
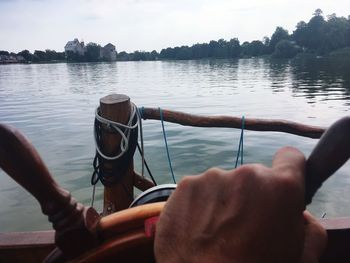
(315, 239)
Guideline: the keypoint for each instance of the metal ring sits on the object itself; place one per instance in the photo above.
(154, 194)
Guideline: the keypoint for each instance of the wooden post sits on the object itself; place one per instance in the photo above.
(116, 107)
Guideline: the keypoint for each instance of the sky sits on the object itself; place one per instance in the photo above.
(149, 24)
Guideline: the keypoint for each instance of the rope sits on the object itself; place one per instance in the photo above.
(139, 116)
(141, 149)
(146, 165)
(124, 143)
(120, 161)
(93, 195)
(240, 146)
(166, 144)
(128, 133)
(123, 156)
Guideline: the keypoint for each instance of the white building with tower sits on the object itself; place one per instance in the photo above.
(75, 46)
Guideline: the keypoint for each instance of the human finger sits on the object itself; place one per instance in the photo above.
(289, 164)
(315, 239)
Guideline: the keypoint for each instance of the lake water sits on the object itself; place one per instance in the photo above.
(54, 104)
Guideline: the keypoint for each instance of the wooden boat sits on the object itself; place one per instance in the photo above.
(126, 234)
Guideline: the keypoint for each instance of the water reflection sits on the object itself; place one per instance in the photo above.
(279, 73)
(321, 79)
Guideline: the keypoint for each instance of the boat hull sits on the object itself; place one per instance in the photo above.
(35, 246)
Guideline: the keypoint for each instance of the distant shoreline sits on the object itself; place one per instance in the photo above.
(343, 54)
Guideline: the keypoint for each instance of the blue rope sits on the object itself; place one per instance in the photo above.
(240, 146)
(166, 144)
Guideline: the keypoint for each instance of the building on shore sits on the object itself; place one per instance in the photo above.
(8, 59)
(75, 47)
(108, 52)
(76, 50)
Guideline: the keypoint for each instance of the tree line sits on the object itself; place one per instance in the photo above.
(37, 56)
(320, 35)
(92, 54)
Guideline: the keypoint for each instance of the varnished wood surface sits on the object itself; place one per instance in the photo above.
(134, 246)
(329, 154)
(26, 239)
(73, 222)
(31, 247)
(35, 246)
(129, 219)
(234, 122)
(142, 183)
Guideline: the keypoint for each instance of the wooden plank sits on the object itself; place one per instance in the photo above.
(29, 247)
(35, 246)
(26, 239)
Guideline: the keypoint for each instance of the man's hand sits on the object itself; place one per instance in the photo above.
(251, 214)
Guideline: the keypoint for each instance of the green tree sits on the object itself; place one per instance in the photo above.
(335, 32)
(154, 55)
(253, 49)
(279, 34)
(93, 52)
(315, 35)
(168, 53)
(286, 49)
(316, 31)
(183, 53)
(52, 55)
(26, 54)
(266, 41)
(138, 56)
(200, 51)
(123, 56)
(74, 57)
(234, 48)
(300, 35)
(318, 12)
(213, 47)
(312, 35)
(39, 56)
(5, 53)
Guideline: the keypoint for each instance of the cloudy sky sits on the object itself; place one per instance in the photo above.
(149, 24)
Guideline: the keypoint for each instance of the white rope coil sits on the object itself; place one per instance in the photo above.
(124, 143)
(125, 135)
